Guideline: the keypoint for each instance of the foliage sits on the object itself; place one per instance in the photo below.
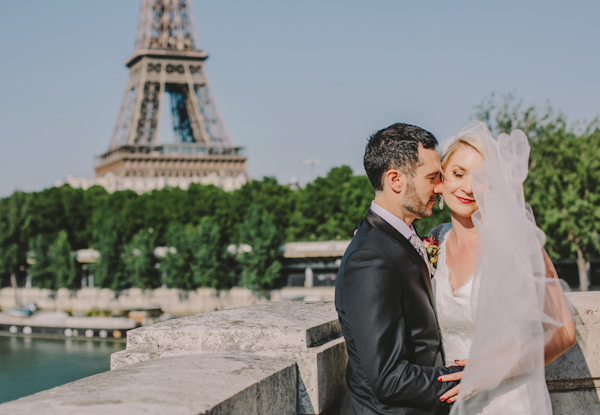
(140, 262)
(39, 271)
(108, 271)
(177, 263)
(563, 186)
(15, 222)
(210, 266)
(426, 225)
(506, 113)
(62, 263)
(212, 203)
(330, 207)
(94, 312)
(260, 266)
(197, 224)
(269, 195)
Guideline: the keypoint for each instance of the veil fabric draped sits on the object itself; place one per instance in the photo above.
(513, 313)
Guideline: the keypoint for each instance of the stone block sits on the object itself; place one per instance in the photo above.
(321, 376)
(190, 384)
(576, 402)
(307, 333)
(585, 307)
(582, 361)
(574, 378)
(321, 371)
(263, 327)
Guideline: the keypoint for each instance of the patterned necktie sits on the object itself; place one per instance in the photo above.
(418, 244)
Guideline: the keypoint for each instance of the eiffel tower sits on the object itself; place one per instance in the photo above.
(167, 62)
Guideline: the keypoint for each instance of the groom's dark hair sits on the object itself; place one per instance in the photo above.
(395, 147)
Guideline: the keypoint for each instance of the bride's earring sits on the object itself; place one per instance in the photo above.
(441, 202)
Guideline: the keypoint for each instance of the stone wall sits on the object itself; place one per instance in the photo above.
(574, 378)
(173, 301)
(278, 358)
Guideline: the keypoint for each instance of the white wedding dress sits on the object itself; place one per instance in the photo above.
(500, 319)
(455, 316)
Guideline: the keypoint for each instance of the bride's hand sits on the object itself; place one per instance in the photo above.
(451, 394)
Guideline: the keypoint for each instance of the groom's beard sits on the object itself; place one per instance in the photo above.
(413, 204)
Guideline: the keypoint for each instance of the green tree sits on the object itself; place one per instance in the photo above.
(260, 266)
(208, 201)
(178, 260)
(331, 207)
(40, 270)
(62, 263)
(108, 270)
(76, 213)
(355, 198)
(95, 204)
(267, 193)
(47, 214)
(564, 175)
(210, 266)
(140, 262)
(162, 207)
(15, 218)
(564, 191)
(129, 207)
(60, 208)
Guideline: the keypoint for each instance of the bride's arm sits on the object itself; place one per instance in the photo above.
(556, 305)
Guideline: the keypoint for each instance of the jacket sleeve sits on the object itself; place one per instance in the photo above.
(373, 307)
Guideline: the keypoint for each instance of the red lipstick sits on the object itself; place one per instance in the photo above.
(465, 201)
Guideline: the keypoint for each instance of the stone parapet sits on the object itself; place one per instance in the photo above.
(279, 358)
(263, 327)
(574, 378)
(171, 300)
(305, 333)
(189, 384)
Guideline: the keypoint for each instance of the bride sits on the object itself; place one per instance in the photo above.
(499, 301)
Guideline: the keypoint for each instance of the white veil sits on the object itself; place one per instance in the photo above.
(512, 319)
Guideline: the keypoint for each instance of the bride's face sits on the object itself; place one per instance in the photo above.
(457, 189)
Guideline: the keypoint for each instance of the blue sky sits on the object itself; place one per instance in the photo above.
(293, 80)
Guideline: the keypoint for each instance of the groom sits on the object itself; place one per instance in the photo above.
(383, 292)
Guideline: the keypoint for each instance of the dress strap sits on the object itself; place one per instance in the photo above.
(440, 231)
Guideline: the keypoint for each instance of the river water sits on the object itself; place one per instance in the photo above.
(29, 365)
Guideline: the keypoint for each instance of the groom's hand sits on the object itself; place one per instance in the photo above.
(451, 394)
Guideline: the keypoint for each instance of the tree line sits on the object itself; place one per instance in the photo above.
(563, 186)
(39, 230)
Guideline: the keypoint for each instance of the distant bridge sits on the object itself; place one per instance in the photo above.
(312, 264)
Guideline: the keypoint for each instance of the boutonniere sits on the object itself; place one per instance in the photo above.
(431, 245)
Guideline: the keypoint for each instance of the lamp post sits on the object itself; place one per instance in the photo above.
(28, 282)
(311, 163)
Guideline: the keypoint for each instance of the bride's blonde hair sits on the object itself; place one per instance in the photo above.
(471, 140)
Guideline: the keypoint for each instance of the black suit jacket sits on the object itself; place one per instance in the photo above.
(386, 310)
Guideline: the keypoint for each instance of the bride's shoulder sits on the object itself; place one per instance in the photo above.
(439, 232)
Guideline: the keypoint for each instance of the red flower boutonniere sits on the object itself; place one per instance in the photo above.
(431, 245)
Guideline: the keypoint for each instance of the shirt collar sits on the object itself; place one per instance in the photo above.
(395, 221)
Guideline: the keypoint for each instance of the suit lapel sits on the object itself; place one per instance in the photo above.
(376, 221)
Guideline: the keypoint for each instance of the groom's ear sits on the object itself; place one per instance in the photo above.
(395, 179)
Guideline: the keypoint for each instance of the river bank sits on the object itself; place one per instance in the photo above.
(173, 301)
